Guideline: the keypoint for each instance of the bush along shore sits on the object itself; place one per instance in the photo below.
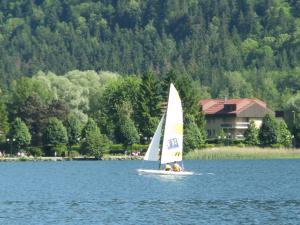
(239, 153)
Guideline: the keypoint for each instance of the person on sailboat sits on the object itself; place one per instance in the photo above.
(177, 167)
(168, 167)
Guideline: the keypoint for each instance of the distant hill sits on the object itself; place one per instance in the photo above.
(258, 39)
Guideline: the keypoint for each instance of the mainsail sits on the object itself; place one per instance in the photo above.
(173, 134)
(152, 153)
(173, 138)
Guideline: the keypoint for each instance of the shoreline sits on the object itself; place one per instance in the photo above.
(59, 159)
(242, 153)
(216, 153)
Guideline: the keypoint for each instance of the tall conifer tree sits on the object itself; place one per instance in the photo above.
(149, 105)
(268, 131)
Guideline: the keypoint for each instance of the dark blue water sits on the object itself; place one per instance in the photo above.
(111, 192)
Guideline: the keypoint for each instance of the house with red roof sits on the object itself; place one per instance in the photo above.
(233, 116)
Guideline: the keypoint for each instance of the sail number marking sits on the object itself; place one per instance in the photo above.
(173, 143)
(177, 154)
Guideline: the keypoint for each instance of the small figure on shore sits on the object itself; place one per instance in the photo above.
(176, 167)
(168, 167)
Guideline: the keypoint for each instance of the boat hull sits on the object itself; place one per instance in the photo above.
(163, 172)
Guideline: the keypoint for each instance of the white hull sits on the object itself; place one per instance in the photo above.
(163, 172)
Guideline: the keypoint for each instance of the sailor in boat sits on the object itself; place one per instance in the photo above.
(176, 167)
(168, 167)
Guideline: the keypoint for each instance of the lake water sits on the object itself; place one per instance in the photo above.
(111, 192)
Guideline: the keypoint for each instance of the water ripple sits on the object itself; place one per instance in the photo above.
(263, 192)
(120, 211)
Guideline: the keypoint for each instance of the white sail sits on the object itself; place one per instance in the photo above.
(152, 153)
(173, 134)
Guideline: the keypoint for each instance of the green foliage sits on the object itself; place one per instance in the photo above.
(4, 125)
(75, 88)
(35, 151)
(24, 88)
(126, 130)
(170, 77)
(292, 115)
(190, 95)
(94, 143)
(60, 150)
(193, 137)
(296, 129)
(34, 102)
(235, 86)
(132, 36)
(292, 110)
(148, 108)
(200, 122)
(221, 137)
(251, 134)
(73, 154)
(116, 149)
(55, 133)
(20, 133)
(89, 126)
(268, 131)
(284, 135)
(33, 113)
(118, 94)
(74, 127)
(206, 48)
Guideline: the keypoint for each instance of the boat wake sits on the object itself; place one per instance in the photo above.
(202, 174)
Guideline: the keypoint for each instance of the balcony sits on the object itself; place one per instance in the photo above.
(237, 125)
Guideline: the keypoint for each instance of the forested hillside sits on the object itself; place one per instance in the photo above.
(238, 48)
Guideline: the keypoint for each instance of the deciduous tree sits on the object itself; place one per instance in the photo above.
(20, 133)
(55, 134)
(94, 143)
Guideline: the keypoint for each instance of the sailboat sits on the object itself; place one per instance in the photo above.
(172, 146)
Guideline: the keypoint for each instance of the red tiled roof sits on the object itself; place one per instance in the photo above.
(216, 106)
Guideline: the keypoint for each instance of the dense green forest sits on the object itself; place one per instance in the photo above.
(215, 48)
(237, 48)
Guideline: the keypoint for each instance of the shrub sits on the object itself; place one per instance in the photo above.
(23, 159)
(73, 154)
(277, 145)
(35, 151)
(116, 149)
(61, 150)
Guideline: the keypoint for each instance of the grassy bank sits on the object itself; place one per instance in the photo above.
(219, 153)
